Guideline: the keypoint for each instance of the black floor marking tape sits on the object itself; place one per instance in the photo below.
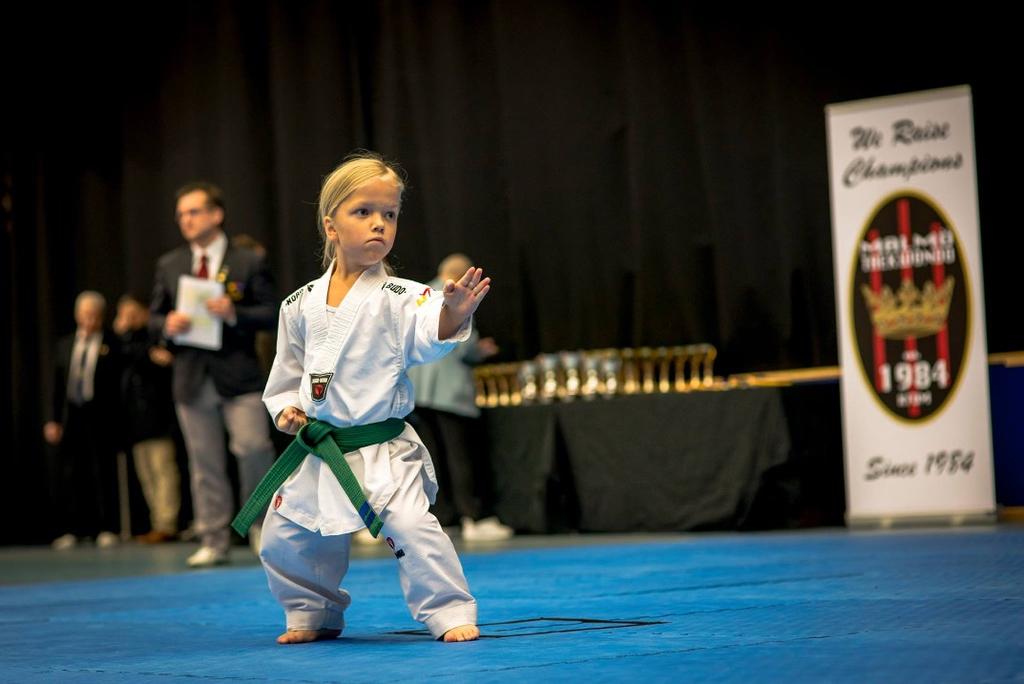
(562, 625)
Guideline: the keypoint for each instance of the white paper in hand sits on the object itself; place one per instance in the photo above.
(193, 292)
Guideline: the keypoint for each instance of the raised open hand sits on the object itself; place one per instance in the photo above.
(461, 298)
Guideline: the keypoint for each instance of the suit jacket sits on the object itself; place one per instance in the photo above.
(234, 367)
(145, 390)
(106, 378)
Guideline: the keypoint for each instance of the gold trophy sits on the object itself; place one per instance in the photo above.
(528, 381)
(646, 358)
(549, 387)
(571, 362)
(696, 355)
(481, 388)
(664, 362)
(709, 359)
(679, 358)
(630, 381)
(515, 397)
(491, 382)
(591, 384)
(501, 379)
(611, 366)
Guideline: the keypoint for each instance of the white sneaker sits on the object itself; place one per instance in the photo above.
(363, 537)
(206, 557)
(488, 529)
(64, 542)
(105, 540)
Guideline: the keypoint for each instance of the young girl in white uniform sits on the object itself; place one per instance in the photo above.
(344, 344)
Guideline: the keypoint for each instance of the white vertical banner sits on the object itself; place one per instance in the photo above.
(910, 308)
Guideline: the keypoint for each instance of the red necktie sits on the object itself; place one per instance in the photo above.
(202, 272)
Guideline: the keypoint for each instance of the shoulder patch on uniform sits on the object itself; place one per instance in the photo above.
(424, 296)
(393, 287)
(294, 296)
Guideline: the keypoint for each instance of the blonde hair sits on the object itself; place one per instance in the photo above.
(358, 169)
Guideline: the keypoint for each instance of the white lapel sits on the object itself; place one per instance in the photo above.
(329, 335)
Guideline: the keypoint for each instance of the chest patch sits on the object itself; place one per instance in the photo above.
(318, 383)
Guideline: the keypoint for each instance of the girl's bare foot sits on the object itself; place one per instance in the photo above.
(462, 633)
(301, 636)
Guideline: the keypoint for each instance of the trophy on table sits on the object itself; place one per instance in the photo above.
(709, 358)
(515, 388)
(664, 361)
(630, 376)
(680, 355)
(591, 383)
(528, 381)
(570, 362)
(480, 386)
(696, 356)
(549, 377)
(491, 383)
(567, 375)
(646, 360)
(611, 366)
(504, 386)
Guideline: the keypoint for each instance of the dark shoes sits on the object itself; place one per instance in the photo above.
(155, 537)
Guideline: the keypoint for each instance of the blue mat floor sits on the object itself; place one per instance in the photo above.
(909, 606)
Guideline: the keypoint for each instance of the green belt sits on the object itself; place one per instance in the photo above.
(329, 443)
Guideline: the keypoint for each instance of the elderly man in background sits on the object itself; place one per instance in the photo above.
(85, 397)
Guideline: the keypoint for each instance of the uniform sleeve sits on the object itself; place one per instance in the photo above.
(286, 374)
(420, 322)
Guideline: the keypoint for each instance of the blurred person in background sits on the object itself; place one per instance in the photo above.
(446, 418)
(149, 413)
(85, 402)
(217, 390)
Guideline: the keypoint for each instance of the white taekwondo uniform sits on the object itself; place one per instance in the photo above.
(348, 368)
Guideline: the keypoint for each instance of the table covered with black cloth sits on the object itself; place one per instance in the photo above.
(655, 462)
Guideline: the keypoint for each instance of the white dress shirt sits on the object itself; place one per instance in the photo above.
(214, 255)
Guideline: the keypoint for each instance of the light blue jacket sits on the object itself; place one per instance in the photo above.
(447, 384)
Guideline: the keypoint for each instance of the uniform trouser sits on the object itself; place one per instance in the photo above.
(203, 421)
(157, 469)
(305, 569)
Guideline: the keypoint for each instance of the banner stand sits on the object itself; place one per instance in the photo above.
(910, 308)
(922, 520)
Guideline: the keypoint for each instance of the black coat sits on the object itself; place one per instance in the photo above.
(145, 390)
(234, 368)
(106, 378)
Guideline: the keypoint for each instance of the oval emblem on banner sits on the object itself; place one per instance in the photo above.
(909, 302)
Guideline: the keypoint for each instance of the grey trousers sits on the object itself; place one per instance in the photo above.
(203, 422)
(305, 569)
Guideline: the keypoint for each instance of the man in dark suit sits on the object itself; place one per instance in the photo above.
(85, 400)
(218, 389)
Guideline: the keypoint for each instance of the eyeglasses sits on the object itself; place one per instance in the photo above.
(191, 213)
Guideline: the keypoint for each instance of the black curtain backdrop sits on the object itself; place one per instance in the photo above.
(629, 173)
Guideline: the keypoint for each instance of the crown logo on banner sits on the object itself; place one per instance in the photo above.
(909, 312)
